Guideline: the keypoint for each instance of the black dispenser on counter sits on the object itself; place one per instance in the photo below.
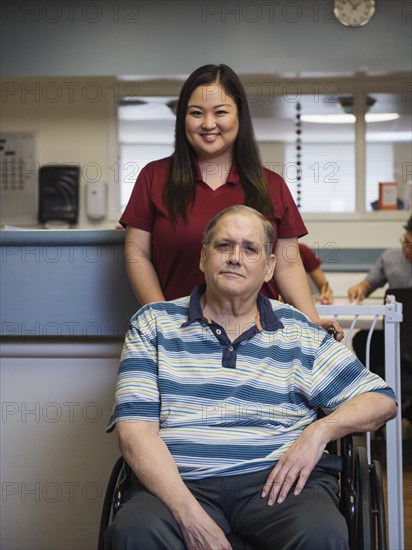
(59, 193)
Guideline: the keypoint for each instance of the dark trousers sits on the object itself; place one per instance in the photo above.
(310, 521)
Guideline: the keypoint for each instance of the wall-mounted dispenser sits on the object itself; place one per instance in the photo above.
(96, 200)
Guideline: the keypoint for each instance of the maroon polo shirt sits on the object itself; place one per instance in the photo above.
(176, 249)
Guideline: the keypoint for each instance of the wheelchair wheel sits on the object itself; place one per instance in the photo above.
(378, 504)
(365, 534)
(108, 501)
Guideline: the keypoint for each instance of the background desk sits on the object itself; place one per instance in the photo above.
(346, 321)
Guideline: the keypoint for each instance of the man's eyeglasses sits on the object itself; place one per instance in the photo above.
(404, 240)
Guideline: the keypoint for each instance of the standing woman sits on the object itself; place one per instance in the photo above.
(216, 164)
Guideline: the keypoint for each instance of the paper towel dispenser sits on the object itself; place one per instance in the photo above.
(59, 193)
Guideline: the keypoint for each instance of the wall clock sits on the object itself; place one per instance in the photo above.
(354, 13)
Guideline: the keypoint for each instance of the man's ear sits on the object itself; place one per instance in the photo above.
(202, 259)
(271, 263)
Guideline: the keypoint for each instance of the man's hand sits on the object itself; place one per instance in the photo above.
(296, 464)
(358, 292)
(365, 412)
(200, 532)
(155, 468)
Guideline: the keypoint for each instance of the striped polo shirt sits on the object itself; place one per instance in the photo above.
(224, 407)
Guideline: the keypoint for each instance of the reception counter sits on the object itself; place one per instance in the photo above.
(72, 284)
(68, 284)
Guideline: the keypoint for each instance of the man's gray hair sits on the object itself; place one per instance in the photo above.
(269, 232)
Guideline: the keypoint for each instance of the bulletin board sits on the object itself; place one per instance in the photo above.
(18, 178)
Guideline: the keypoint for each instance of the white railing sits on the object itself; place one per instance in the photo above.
(350, 317)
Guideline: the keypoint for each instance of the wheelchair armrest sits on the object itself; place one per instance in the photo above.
(348, 490)
(123, 482)
(108, 500)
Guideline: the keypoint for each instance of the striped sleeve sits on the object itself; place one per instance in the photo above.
(338, 376)
(137, 393)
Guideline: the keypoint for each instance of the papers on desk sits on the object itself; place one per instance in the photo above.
(378, 301)
(14, 228)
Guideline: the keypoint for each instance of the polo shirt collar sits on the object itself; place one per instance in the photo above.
(268, 319)
(233, 176)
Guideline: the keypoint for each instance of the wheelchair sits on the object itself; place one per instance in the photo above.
(361, 497)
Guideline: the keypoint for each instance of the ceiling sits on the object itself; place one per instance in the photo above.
(160, 38)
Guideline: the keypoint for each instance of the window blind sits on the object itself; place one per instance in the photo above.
(328, 175)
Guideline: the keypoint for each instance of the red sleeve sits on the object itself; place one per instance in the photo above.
(146, 198)
(309, 259)
(289, 220)
(138, 212)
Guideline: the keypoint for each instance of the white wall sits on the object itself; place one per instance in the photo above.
(75, 122)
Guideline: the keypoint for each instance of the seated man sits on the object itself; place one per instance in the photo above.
(216, 410)
(393, 267)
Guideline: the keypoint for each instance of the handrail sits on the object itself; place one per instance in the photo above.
(391, 313)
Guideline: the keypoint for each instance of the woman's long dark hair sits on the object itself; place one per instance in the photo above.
(179, 190)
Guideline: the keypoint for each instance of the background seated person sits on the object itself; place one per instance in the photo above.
(393, 267)
(311, 263)
(216, 409)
